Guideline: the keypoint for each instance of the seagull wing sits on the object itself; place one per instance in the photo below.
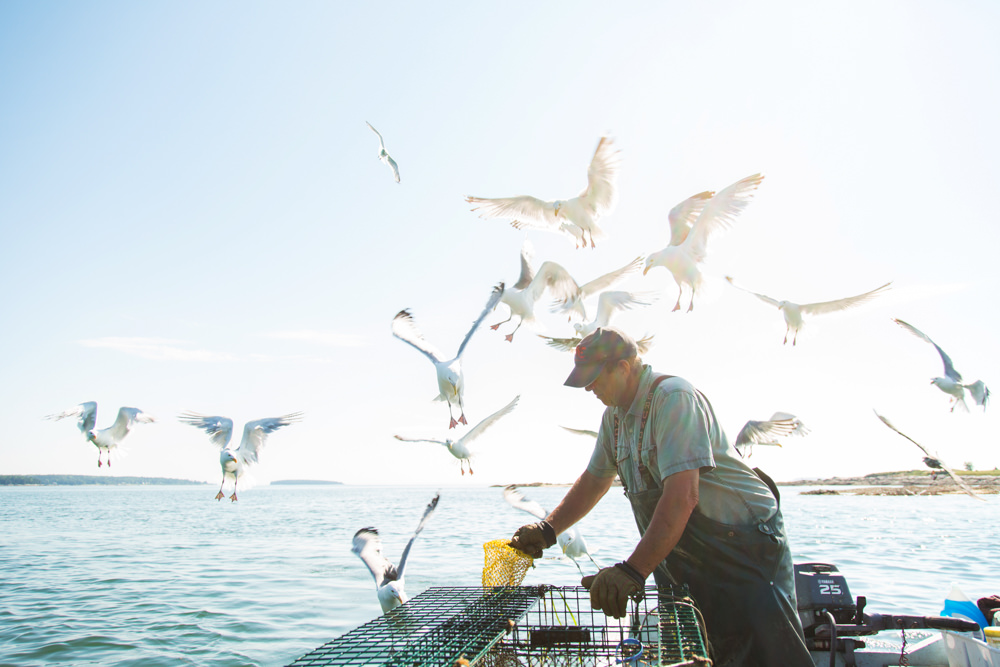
(381, 144)
(760, 432)
(219, 429)
(800, 428)
(395, 168)
(949, 369)
(720, 213)
(126, 418)
(965, 487)
(490, 305)
(436, 442)
(420, 526)
(367, 546)
(601, 192)
(404, 328)
(610, 303)
(255, 434)
(644, 344)
(581, 431)
(683, 215)
(762, 297)
(842, 304)
(481, 427)
(527, 271)
(565, 344)
(517, 500)
(606, 281)
(527, 211)
(86, 413)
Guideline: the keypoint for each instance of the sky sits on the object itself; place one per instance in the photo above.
(193, 217)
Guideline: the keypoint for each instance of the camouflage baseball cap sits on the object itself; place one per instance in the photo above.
(593, 353)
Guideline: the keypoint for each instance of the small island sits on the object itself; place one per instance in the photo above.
(905, 483)
(92, 480)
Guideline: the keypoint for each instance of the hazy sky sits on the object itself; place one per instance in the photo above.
(194, 218)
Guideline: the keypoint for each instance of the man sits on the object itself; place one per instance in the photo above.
(706, 519)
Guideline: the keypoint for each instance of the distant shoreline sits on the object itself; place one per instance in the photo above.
(91, 480)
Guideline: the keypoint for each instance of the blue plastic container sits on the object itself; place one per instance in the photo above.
(959, 606)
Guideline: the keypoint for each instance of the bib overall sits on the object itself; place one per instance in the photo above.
(740, 576)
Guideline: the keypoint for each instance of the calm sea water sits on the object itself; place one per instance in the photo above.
(168, 576)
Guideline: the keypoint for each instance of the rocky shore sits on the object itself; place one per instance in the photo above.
(903, 483)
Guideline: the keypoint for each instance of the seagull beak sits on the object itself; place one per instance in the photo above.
(645, 270)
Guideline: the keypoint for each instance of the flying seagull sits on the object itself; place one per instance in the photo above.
(236, 461)
(521, 298)
(570, 541)
(793, 312)
(105, 439)
(951, 383)
(388, 577)
(451, 382)
(684, 259)
(766, 432)
(460, 448)
(933, 460)
(382, 155)
(576, 217)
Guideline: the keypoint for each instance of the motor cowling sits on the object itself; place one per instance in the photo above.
(820, 588)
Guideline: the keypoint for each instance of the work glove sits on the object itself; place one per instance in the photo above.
(533, 538)
(611, 587)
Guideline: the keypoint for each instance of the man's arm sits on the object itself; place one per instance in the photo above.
(678, 500)
(579, 500)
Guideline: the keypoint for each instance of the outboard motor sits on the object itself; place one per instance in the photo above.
(831, 620)
(820, 588)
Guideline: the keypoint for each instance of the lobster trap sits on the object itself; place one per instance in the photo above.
(523, 626)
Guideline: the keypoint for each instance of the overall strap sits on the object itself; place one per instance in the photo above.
(642, 427)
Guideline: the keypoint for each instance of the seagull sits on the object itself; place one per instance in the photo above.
(576, 217)
(460, 448)
(530, 287)
(451, 383)
(382, 155)
(570, 540)
(683, 258)
(104, 439)
(608, 305)
(388, 578)
(951, 383)
(767, 432)
(235, 461)
(643, 345)
(572, 304)
(930, 459)
(793, 312)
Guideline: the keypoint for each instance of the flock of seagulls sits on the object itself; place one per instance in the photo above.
(693, 223)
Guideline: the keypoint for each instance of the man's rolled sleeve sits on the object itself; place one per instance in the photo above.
(682, 437)
(602, 463)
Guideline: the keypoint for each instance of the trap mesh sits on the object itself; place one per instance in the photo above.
(504, 565)
(523, 626)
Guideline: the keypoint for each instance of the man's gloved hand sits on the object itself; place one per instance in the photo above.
(611, 587)
(533, 538)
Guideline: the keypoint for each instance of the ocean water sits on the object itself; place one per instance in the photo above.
(168, 576)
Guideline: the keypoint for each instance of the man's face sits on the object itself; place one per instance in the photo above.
(610, 384)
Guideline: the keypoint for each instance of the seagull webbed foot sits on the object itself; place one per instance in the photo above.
(509, 338)
(453, 423)
(233, 497)
(462, 419)
(495, 326)
(219, 495)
